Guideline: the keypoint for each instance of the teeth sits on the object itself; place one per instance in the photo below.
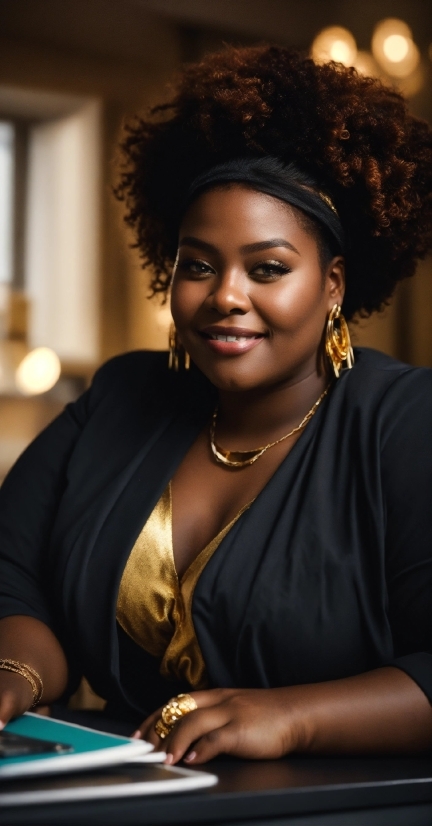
(229, 338)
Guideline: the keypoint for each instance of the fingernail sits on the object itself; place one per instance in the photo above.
(189, 757)
(169, 759)
(136, 735)
(2, 725)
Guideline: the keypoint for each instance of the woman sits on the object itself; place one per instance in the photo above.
(257, 528)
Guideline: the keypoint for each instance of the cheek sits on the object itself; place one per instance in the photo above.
(294, 302)
(186, 299)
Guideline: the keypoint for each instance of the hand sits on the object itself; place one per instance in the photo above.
(16, 696)
(249, 723)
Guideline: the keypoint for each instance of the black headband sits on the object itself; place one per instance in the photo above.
(272, 177)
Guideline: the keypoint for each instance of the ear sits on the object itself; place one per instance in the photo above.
(335, 281)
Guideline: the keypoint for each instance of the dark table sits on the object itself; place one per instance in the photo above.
(295, 791)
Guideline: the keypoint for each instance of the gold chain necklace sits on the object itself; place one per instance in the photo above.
(242, 458)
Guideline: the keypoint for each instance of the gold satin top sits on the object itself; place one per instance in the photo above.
(154, 606)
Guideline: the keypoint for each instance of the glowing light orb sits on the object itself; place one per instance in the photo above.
(334, 43)
(394, 48)
(38, 371)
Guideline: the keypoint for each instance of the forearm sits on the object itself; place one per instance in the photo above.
(30, 641)
(377, 712)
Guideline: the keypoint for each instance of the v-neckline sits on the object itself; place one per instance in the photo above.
(201, 559)
(210, 548)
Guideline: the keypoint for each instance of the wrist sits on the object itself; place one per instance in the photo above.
(28, 673)
(16, 696)
(299, 726)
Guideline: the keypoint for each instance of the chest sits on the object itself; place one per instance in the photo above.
(207, 496)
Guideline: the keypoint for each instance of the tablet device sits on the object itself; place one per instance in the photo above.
(18, 745)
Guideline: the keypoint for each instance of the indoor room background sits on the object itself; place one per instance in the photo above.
(72, 291)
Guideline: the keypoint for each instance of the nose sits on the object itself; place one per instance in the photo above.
(229, 294)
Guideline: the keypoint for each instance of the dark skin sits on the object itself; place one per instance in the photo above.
(219, 279)
(280, 293)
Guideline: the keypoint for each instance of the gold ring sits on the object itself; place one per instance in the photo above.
(172, 712)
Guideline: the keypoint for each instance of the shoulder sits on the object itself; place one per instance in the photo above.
(144, 375)
(135, 367)
(387, 392)
(376, 375)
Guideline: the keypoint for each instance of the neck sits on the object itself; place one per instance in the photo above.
(256, 416)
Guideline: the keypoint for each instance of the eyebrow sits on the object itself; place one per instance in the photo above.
(190, 241)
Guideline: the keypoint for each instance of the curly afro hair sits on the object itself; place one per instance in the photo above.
(351, 133)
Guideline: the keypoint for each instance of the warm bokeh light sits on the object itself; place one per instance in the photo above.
(394, 48)
(411, 85)
(366, 65)
(38, 372)
(334, 43)
(341, 52)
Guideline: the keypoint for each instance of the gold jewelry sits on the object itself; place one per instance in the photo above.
(324, 197)
(161, 729)
(327, 200)
(172, 712)
(177, 352)
(28, 673)
(242, 458)
(338, 342)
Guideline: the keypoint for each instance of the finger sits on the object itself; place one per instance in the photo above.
(203, 699)
(149, 736)
(192, 727)
(8, 707)
(223, 740)
(146, 730)
(212, 696)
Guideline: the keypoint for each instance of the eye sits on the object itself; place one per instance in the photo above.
(194, 267)
(269, 270)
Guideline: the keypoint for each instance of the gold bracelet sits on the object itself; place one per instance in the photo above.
(29, 674)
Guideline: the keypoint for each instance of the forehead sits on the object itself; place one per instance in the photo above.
(238, 210)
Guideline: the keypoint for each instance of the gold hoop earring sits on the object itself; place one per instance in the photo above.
(178, 356)
(338, 342)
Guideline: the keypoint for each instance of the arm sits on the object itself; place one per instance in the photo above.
(29, 500)
(30, 497)
(31, 642)
(382, 711)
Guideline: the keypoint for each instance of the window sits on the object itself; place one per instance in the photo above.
(6, 201)
(50, 189)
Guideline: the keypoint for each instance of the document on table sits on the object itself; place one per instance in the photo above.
(87, 749)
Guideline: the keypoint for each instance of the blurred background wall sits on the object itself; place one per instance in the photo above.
(72, 292)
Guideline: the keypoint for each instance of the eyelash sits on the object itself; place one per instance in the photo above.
(272, 269)
(188, 263)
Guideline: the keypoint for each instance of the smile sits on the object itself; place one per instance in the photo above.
(231, 342)
(231, 338)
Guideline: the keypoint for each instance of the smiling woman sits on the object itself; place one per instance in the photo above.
(255, 530)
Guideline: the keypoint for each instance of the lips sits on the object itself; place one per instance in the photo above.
(231, 340)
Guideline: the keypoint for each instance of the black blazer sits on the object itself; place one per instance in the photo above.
(328, 574)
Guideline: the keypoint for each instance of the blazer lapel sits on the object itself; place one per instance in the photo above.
(93, 563)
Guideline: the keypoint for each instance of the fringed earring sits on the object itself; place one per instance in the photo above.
(338, 342)
(178, 356)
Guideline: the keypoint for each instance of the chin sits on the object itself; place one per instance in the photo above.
(234, 380)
